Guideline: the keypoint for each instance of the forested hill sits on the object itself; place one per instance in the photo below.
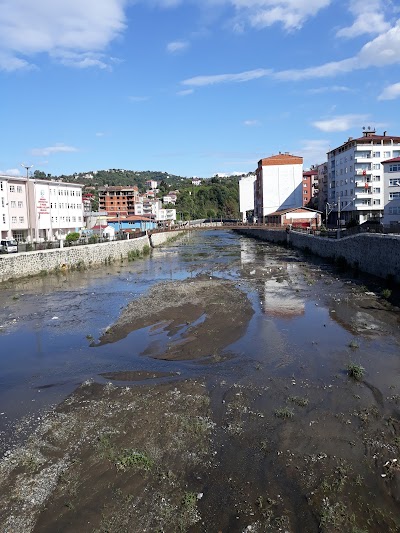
(214, 198)
(115, 176)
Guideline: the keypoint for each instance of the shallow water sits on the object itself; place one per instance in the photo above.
(305, 317)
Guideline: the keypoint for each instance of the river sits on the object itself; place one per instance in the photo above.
(269, 334)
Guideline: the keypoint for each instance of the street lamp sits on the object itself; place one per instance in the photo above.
(339, 207)
(27, 167)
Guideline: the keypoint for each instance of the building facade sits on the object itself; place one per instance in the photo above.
(38, 210)
(246, 195)
(116, 200)
(391, 173)
(355, 176)
(322, 186)
(278, 184)
(310, 185)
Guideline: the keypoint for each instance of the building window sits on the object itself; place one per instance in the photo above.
(19, 188)
(376, 166)
(393, 195)
(14, 220)
(394, 168)
(4, 219)
(21, 220)
(386, 154)
(376, 154)
(20, 204)
(376, 190)
(12, 188)
(377, 202)
(394, 182)
(2, 202)
(13, 203)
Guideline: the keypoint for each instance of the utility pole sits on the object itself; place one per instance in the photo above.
(27, 167)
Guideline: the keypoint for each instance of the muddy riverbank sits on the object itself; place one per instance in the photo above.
(230, 386)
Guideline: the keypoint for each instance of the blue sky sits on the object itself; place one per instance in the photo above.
(192, 87)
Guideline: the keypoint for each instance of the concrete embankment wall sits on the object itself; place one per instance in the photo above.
(373, 253)
(33, 263)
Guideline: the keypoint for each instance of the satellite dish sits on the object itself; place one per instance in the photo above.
(363, 127)
(369, 127)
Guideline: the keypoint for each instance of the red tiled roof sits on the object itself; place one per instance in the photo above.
(284, 211)
(394, 160)
(310, 173)
(281, 159)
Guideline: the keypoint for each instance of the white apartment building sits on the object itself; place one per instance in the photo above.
(37, 210)
(246, 195)
(391, 173)
(355, 176)
(165, 215)
(278, 184)
(147, 206)
(151, 184)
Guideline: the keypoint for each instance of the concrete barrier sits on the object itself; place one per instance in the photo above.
(34, 263)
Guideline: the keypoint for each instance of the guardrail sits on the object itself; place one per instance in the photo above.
(54, 245)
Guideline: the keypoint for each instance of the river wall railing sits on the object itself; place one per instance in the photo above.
(374, 253)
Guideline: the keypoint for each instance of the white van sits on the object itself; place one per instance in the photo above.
(8, 247)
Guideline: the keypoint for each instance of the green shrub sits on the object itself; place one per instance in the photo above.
(72, 237)
(355, 371)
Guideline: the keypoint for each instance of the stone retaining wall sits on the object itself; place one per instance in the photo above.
(373, 253)
(33, 263)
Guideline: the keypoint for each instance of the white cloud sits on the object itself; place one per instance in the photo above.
(11, 172)
(382, 51)
(100, 134)
(369, 18)
(185, 92)
(177, 46)
(391, 92)
(330, 88)
(248, 75)
(314, 151)
(251, 123)
(71, 31)
(340, 122)
(292, 14)
(56, 149)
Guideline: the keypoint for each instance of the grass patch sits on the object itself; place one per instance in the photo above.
(298, 400)
(353, 344)
(284, 412)
(129, 458)
(355, 371)
(386, 293)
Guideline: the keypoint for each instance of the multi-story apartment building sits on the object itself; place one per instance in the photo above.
(246, 195)
(278, 184)
(35, 210)
(322, 186)
(151, 184)
(391, 173)
(120, 200)
(355, 176)
(310, 185)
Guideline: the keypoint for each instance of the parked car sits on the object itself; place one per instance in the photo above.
(8, 246)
